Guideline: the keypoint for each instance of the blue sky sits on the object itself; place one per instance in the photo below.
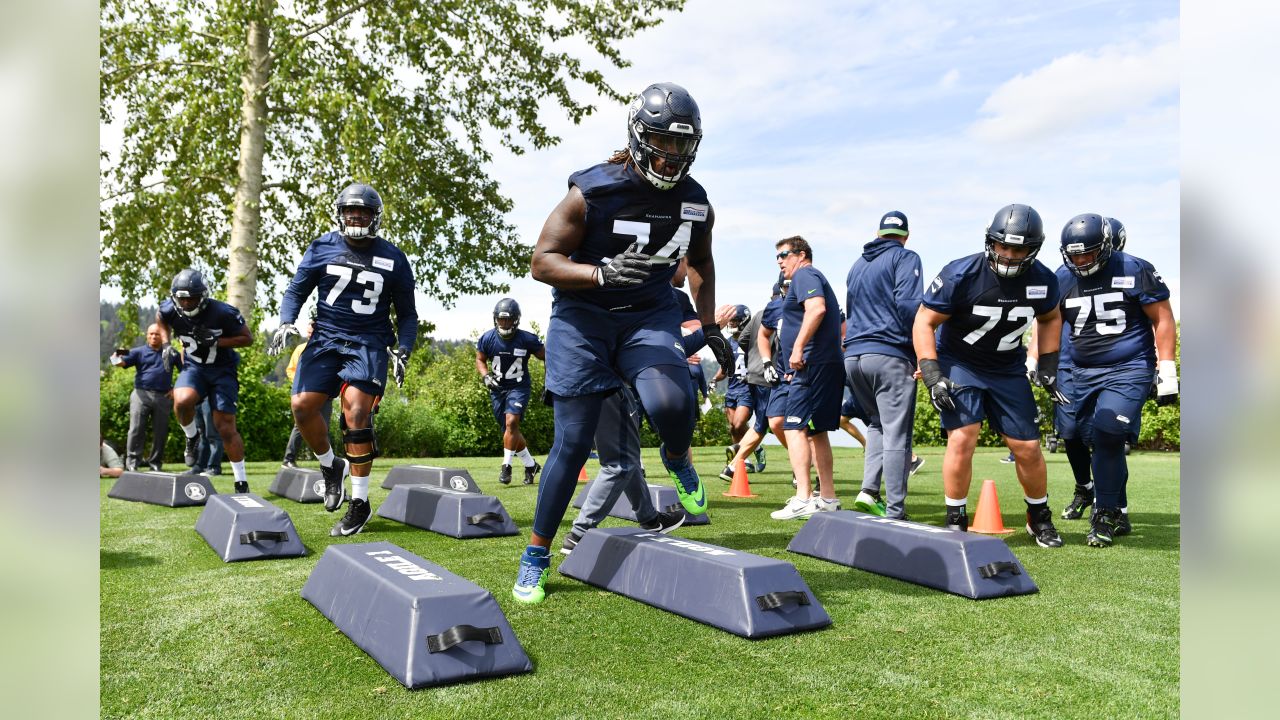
(820, 116)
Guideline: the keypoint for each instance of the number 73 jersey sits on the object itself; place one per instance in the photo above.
(989, 313)
(1102, 315)
(356, 291)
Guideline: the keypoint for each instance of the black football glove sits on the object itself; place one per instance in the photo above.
(719, 346)
(169, 356)
(1046, 376)
(1166, 382)
(940, 386)
(627, 269)
(281, 339)
(491, 380)
(399, 359)
(203, 336)
(771, 374)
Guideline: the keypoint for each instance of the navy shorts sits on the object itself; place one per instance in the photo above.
(850, 407)
(738, 395)
(1110, 399)
(813, 401)
(777, 406)
(596, 349)
(760, 395)
(216, 382)
(1004, 401)
(326, 364)
(508, 402)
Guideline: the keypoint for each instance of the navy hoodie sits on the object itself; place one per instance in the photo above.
(884, 293)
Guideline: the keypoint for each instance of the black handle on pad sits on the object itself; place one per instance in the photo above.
(775, 600)
(460, 634)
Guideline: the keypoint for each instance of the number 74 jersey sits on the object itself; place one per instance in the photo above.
(356, 291)
(1102, 315)
(989, 313)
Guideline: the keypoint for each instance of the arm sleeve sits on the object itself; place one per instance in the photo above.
(406, 307)
(300, 287)
(806, 284)
(132, 358)
(693, 342)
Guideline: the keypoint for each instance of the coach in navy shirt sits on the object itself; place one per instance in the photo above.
(884, 291)
(151, 397)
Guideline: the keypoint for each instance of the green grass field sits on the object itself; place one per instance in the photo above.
(185, 635)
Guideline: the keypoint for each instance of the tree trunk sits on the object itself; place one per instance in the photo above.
(246, 214)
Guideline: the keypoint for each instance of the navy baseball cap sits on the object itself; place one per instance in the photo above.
(893, 223)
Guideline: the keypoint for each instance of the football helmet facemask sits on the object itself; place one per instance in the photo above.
(1087, 234)
(664, 128)
(358, 195)
(506, 309)
(188, 285)
(1019, 226)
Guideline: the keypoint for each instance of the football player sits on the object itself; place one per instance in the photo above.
(749, 339)
(738, 403)
(1116, 311)
(610, 250)
(980, 306)
(359, 277)
(209, 331)
(509, 348)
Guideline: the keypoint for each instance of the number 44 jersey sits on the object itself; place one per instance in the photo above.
(1102, 313)
(510, 358)
(989, 313)
(357, 289)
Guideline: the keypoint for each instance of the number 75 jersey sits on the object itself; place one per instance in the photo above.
(1102, 314)
(989, 313)
(356, 291)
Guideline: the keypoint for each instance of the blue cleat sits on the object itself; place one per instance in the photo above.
(535, 564)
(693, 496)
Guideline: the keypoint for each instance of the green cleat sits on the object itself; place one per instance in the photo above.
(535, 565)
(869, 503)
(693, 496)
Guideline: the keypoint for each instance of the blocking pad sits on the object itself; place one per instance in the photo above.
(298, 484)
(421, 623)
(455, 478)
(745, 594)
(449, 512)
(162, 488)
(975, 566)
(246, 527)
(663, 498)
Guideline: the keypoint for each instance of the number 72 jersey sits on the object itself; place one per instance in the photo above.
(989, 313)
(356, 291)
(1102, 314)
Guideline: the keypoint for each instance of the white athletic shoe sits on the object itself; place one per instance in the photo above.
(821, 504)
(795, 508)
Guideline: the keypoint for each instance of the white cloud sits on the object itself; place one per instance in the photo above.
(1077, 90)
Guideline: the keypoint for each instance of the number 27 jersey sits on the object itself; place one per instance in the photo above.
(989, 313)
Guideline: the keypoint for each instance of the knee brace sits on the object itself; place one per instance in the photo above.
(359, 437)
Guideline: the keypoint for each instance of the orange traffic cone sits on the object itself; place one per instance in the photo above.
(582, 475)
(987, 519)
(740, 487)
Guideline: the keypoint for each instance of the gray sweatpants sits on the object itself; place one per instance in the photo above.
(156, 407)
(886, 391)
(618, 443)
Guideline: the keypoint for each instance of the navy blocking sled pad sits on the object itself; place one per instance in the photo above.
(162, 488)
(246, 527)
(455, 513)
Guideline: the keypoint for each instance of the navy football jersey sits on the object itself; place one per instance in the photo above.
(989, 313)
(772, 319)
(218, 318)
(739, 376)
(824, 346)
(1103, 314)
(357, 289)
(623, 209)
(510, 358)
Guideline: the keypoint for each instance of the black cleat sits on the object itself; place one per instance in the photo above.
(504, 476)
(1122, 524)
(334, 491)
(242, 487)
(353, 522)
(727, 473)
(1040, 526)
(570, 542)
(1079, 502)
(760, 458)
(665, 522)
(1102, 528)
(957, 519)
(531, 471)
(192, 450)
(288, 464)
